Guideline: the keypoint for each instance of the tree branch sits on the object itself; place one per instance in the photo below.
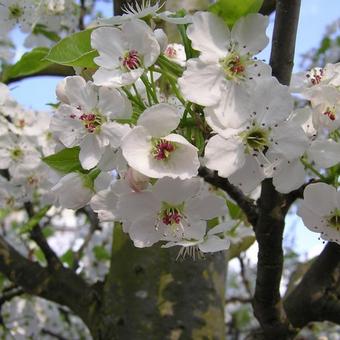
(52, 70)
(94, 225)
(245, 203)
(37, 235)
(62, 285)
(273, 206)
(268, 7)
(317, 296)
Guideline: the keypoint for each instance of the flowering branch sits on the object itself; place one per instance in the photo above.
(245, 203)
(267, 302)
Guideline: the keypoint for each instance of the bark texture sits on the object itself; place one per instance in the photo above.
(150, 295)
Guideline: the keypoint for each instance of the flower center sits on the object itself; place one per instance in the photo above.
(234, 66)
(330, 113)
(91, 121)
(162, 149)
(170, 52)
(32, 181)
(315, 75)
(172, 215)
(334, 219)
(131, 60)
(15, 11)
(20, 123)
(255, 139)
(16, 153)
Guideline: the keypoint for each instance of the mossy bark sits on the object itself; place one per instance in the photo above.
(150, 295)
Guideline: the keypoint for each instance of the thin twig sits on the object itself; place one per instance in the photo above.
(245, 203)
(38, 237)
(82, 14)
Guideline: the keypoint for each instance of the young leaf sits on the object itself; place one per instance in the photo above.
(43, 30)
(231, 10)
(74, 50)
(100, 253)
(30, 63)
(66, 160)
(33, 221)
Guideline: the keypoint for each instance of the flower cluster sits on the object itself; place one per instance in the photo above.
(128, 136)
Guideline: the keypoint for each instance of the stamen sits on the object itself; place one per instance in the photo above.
(131, 60)
(162, 149)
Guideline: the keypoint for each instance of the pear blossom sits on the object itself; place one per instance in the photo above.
(154, 151)
(16, 12)
(316, 82)
(124, 53)
(15, 150)
(266, 132)
(224, 73)
(320, 211)
(176, 53)
(11, 195)
(327, 115)
(87, 119)
(33, 179)
(171, 210)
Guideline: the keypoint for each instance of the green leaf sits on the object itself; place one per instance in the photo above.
(231, 10)
(66, 160)
(101, 253)
(33, 221)
(235, 211)
(30, 63)
(43, 30)
(67, 258)
(325, 45)
(74, 50)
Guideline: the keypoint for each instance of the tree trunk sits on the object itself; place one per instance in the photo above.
(150, 295)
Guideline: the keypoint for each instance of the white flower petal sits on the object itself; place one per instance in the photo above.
(110, 45)
(114, 104)
(116, 77)
(202, 83)
(325, 153)
(249, 176)
(81, 94)
(90, 152)
(225, 156)
(206, 207)
(250, 33)
(209, 35)
(213, 244)
(135, 205)
(175, 190)
(289, 176)
(143, 232)
(320, 197)
(160, 119)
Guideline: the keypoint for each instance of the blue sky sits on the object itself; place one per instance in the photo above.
(315, 16)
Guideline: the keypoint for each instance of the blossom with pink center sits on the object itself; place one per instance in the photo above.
(154, 151)
(224, 74)
(86, 117)
(124, 53)
(171, 210)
